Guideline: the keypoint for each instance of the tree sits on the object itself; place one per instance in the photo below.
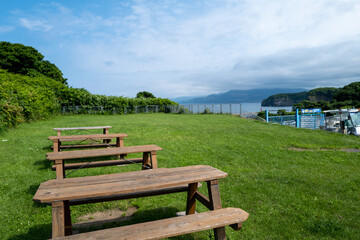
(144, 94)
(25, 60)
(349, 92)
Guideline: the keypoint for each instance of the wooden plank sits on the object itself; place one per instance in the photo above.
(82, 128)
(87, 136)
(124, 183)
(101, 152)
(100, 163)
(169, 227)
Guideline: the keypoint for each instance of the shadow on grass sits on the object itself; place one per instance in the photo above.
(43, 164)
(38, 232)
(137, 217)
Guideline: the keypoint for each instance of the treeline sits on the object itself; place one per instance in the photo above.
(345, 97)
(32, 88)
(324, 98)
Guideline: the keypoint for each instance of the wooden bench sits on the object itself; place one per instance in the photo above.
(57, 141)
(105, 129)
(148, 161)
(169, 227)
(82, 190)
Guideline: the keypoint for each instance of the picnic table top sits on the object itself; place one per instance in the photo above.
(124, 183)
(101, 152)
(83, 128)
(88, 136)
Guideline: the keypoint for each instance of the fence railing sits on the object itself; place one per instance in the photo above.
(184, 108)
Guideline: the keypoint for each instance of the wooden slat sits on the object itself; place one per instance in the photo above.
(169, 227)
(124, 183)
(87, 136)
(101, 152)
(100, 163)
(82, 128)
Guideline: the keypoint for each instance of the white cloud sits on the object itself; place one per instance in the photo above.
(37, 25)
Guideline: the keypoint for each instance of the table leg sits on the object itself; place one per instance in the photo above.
(67, 212)
(191, 200)
(146, 161)
(105, 131)
(120, 143)
(215, 202)
(154, 164)
(56, 146)
(60, 169)
(58, 219)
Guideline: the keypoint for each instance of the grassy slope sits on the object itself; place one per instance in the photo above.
(289, 194)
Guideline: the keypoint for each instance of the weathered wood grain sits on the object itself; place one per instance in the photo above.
(124, 183)
(88, 137)
(101, 152)
(169, 227)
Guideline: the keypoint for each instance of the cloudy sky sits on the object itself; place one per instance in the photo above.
(188, 48)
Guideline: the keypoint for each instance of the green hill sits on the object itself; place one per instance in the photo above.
(289, 99)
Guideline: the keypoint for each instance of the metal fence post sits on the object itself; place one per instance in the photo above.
(267, 115)
(297, 118)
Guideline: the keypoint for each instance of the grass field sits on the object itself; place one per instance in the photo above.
(289, 194)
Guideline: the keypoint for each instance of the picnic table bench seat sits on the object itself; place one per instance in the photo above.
(57, 140)
(105, 129)
(169, 227)
(148, 160)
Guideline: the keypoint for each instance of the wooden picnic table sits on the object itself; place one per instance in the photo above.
(105, 129)
(148, 160)
(82, 190)
(57, 141)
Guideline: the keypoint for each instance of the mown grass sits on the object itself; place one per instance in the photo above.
(289, 194)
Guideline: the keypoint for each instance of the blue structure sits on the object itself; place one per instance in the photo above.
(310, 118)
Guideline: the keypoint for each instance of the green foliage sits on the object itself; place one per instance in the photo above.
(346, 97)
(289, 99)
(145, 94)
(24, 98)
(25, 60)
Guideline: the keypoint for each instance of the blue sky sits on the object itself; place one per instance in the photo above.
(190, 48)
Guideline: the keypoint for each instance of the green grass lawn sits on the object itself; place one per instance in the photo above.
(289, 194)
